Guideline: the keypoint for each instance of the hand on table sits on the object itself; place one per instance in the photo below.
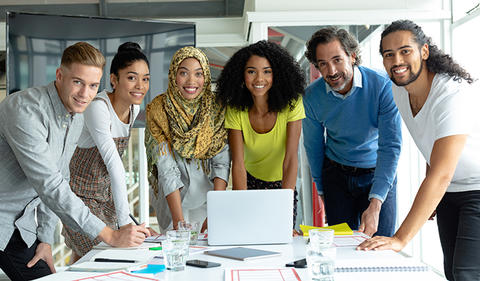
(382, 243)
(43, 252)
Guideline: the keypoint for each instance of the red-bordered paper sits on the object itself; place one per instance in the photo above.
(349, 240)
(117, 275)
(281, 274)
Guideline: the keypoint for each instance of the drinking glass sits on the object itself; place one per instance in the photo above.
(320, 266)
(321, 238)
(175, 254)
(192, 227)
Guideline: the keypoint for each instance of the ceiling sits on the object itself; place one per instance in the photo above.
(139, 9)
(291, 37)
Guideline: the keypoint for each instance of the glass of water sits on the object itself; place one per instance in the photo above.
(175, 253)
(180, 234)
(321, 237)
(320, 267)
(193, 227)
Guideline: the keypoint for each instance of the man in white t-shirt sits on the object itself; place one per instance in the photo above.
(438, 102)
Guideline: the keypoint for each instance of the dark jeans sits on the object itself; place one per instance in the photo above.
(346, 198)
(14, 259)
(458, 220)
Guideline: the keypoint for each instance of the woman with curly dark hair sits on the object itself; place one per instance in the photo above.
(262, 86)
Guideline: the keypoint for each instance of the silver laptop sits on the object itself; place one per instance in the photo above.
(242, 217)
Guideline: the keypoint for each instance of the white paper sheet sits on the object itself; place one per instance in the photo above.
(255, 274)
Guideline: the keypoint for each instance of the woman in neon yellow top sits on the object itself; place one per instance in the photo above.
(262, 87)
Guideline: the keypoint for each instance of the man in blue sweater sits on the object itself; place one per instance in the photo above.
(352, 135)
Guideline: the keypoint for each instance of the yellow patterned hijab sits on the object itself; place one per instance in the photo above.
(193, 128)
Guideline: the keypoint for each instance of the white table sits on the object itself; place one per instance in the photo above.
(290, 252)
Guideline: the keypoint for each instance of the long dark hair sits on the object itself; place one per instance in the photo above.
(127, 54)
(438, 61)
(288, 78)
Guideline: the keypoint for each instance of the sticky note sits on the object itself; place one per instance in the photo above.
(151, 268)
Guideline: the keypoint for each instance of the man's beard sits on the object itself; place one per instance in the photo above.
(341, 86)
(412, 78)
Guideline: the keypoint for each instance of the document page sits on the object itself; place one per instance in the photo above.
(349, 240)
(272, 274)
(120, 275)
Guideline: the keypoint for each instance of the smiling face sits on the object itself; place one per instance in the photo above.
(403, 59)
(190, 78)
(258, 75)
(335, 66)
(77, 85)
(132, 82)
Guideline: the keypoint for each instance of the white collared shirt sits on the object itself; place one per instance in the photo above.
(357, 82)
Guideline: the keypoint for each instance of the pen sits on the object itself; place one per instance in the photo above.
(133, 219)
(113, 260)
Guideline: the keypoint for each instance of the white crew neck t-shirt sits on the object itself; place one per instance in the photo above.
(451, 108)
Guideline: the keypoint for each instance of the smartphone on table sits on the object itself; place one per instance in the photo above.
(298, 264)
(202, 264)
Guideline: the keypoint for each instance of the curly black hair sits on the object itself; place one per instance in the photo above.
(329, 34)
(438, 61)
(288, 79)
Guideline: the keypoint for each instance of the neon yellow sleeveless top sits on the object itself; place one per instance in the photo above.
(264, 153)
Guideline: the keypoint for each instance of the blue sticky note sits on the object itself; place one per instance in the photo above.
(151, 268)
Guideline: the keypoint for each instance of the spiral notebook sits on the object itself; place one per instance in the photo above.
(398, 265)
(400, 268)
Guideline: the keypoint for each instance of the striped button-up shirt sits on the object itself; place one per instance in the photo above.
(37, 139)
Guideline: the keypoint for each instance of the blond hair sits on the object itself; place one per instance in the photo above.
(83, 53)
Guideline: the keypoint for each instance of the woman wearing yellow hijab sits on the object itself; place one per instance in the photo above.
(186, 142)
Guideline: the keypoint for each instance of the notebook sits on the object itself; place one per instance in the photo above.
(415, 268)
(90, 266)
(242, 254)
(118, 260)
(243, 217)
(398, 265)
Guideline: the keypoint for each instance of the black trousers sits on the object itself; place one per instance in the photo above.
(346, 197)
(458, 220)
(14, 259)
